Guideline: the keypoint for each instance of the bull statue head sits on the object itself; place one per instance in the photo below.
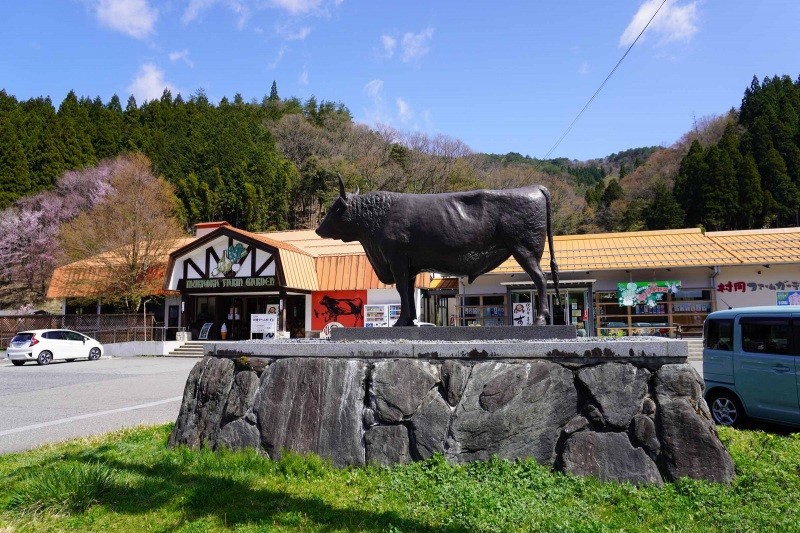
(342, 192)
(336, 224)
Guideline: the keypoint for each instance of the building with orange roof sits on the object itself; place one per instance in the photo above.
(644, 282)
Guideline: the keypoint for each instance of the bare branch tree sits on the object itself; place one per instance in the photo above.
(129, 234)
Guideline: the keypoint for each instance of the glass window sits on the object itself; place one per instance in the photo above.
(54, 335)
(765, 335)
(719, 334)
(73, 336)
(22, 337)
(470, 300)
(494, 300)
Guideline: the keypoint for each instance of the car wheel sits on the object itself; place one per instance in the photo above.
(44, 358)
(16, 362)
(94, 354)
(726, 409)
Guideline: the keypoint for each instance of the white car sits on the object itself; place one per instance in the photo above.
(45, 345)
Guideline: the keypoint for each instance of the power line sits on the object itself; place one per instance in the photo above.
(563, 135)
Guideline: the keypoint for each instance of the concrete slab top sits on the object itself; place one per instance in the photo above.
(584, 350)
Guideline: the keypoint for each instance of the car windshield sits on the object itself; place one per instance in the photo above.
(22, 337)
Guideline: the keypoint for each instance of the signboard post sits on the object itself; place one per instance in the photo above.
(266, 324)
(204, 330)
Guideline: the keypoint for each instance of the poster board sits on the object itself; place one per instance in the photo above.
(204, 330)
(788, 297)
(522, 314)
(266, 324)
(645, 292)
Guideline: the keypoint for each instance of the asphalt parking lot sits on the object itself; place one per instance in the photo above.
(60, 401)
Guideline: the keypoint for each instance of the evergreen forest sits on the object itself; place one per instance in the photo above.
(272, 164)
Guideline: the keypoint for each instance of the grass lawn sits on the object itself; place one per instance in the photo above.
(130, 481)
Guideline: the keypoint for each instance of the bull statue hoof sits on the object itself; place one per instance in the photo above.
(403, 322)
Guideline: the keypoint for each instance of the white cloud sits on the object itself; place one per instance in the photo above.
(389, 43)
(132, 17)
(196, 7)
(303, 80)
(149, 84)
(292, 34)
(281, 53)
(298, 7)
(243, 8)
(584, 68)
(181, 55)
(673, 22)
(415, 45)
(404, 112)
(376, 114)
(374, 88)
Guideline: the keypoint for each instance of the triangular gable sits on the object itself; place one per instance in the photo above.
(225, 260)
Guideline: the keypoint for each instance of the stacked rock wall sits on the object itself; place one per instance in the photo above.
(613, 420)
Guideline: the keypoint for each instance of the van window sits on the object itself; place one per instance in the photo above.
(765, 335)
(719, 334)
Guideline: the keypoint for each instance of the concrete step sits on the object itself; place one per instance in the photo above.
(695, 349)
(188, 349)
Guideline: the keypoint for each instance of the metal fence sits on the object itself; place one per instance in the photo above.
(105, 328)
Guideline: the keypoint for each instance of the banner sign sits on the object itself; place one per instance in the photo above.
(267, 324)
(788, 298)
(645, 292)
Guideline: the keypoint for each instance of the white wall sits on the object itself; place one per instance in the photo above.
(136, 348)
(743, 286)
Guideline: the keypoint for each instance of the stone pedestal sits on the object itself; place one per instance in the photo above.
(618, 411)
(455, 334)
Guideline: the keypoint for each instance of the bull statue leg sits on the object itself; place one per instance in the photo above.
(405, 286)
(530, 264)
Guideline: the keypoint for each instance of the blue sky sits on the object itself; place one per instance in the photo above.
(500, 76)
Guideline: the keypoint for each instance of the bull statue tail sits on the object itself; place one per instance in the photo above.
(553, 264)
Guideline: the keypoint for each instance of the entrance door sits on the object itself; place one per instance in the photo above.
(296, 316)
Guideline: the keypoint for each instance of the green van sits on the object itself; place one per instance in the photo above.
(751, 364)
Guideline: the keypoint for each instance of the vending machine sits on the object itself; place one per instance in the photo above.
(376, 316)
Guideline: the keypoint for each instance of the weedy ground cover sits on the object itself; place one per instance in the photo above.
(131, 481)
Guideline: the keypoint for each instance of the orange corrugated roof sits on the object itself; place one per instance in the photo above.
(444, 283)
(298, 270)
(632, 250)
(761, 246)
(353, 272)
(88, 277)
(313, 263)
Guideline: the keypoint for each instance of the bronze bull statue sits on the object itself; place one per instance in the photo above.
(458, 234)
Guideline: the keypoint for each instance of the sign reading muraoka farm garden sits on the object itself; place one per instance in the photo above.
(645, 292)
(213, 284)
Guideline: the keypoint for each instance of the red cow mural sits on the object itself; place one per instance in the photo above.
(344, 307)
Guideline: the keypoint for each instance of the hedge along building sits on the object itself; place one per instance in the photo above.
(224, 275)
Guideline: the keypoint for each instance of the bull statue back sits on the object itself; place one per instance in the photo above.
(458, 234)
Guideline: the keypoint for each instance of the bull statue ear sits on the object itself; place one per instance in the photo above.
(342, 193)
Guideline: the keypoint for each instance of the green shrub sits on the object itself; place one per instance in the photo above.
(63, 489)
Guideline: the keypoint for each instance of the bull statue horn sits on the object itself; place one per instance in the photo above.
(358, 190)
(342, 192)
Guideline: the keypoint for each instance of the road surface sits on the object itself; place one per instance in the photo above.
(61, 401)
